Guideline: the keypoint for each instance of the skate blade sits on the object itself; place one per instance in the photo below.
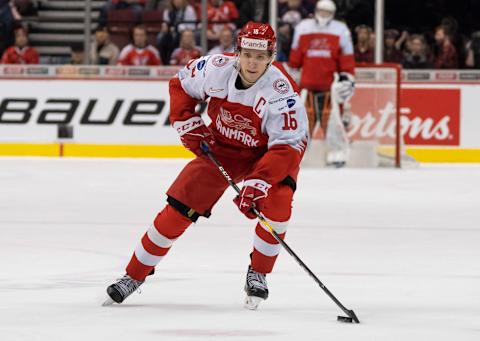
(252, 302)
(108, 302)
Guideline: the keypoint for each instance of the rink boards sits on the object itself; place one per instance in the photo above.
(123, 112)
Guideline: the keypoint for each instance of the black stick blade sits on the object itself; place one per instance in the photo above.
(352, 318)
(344, 319)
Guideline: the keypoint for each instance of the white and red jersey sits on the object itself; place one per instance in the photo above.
(181, 56)
(15, 55)
(224, 14)
(321, 51)
(135, 56)
(267, 119)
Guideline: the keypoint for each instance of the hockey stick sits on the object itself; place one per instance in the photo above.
(351, 315)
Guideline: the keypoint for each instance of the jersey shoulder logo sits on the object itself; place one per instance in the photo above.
(281, 86)
(220, 61)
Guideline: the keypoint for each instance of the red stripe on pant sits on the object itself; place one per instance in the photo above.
(260, 262)
(170, 224)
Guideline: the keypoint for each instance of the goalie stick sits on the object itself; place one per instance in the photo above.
(351, 315)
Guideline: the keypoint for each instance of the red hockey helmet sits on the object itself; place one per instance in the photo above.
(257, 36)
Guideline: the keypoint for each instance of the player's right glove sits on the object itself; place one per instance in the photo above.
(252, 194)
(192, 132)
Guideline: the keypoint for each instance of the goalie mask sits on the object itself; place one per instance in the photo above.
(325, 11)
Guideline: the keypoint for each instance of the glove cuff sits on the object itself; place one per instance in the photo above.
(261, 185)
(183, 127)
(345, 76)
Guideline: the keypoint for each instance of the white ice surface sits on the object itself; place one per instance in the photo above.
(399, 247)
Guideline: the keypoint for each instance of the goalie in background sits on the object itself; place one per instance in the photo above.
(322, 47)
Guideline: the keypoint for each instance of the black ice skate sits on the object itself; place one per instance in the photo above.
(256, 289)
(121, 289)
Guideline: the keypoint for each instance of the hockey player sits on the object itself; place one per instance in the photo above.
(259, 133)
(322, 47)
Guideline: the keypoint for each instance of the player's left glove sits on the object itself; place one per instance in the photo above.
(252, 194)
(343, 87)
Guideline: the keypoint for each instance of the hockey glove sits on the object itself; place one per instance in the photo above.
(252, 194)
(192, 132)
(343, 87)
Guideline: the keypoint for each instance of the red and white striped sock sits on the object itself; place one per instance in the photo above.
(266, 247)
(156, 242)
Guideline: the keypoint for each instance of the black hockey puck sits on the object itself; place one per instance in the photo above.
(344, 319)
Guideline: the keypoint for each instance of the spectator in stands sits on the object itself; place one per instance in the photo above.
(187, 50)
(416, 56)
(393, 46)
(363, 48)
(136, 6)
(284, 41)
(451, 29)
(77, 56)
(292, 12)
(446, 56)
(20, 53)
(180, 15)
(6, 25)
(255, 10)
(473, 51)
(153, 4)
(226, 43)
(26, 7)
(221, 14)
(139, 52)
(103, 51)
(177, 17)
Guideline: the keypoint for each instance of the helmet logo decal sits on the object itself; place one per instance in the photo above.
(255, 44)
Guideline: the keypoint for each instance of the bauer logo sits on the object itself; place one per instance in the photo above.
(428, 116)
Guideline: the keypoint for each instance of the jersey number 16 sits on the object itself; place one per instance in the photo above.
(289, 121)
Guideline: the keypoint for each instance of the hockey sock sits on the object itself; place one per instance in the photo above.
(156, 242)
(265, 249)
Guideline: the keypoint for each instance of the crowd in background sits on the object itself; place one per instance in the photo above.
(422, 35)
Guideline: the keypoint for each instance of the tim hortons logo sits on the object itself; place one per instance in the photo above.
(428, 117)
